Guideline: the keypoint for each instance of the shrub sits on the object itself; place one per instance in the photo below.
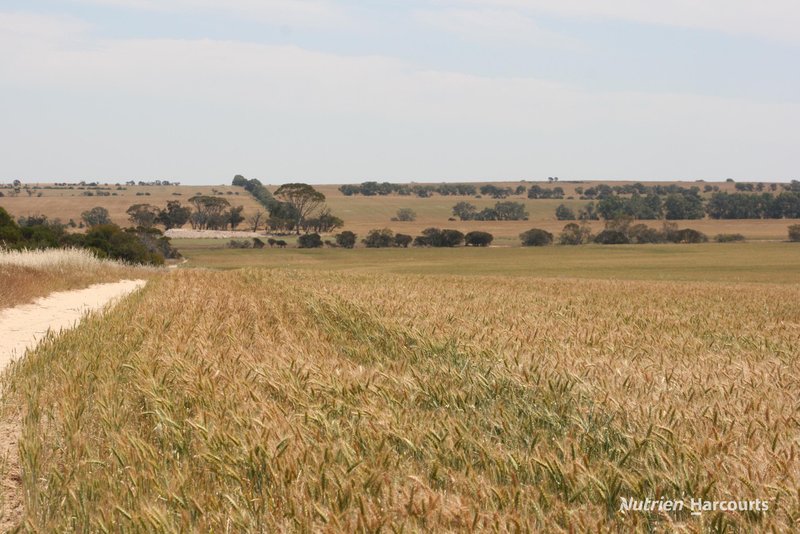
(155, 242)
(564, 213)
(379, 238)
(536, 237)
(10, 233)
(612, 237)
(309, 241)
(402, 240)
(110, 241)
(406, 215)
(238, 243)
(478, 239)
(688, 235)
(434, 237)
(794, 233)
(728, 238)
(574, 234)
(641, 233)
(96, 216)
(346, 239)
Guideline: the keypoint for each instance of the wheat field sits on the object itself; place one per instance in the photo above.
(285, 400)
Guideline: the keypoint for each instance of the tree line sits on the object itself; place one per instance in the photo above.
(689, 205)
(294, 207)
(105, 240)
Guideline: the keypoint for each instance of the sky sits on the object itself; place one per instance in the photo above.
(339, 91)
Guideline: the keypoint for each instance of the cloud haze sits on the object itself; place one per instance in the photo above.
(81, 103)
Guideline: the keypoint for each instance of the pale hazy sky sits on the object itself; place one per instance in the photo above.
(344, 91)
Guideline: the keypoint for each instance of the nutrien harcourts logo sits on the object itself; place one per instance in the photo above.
(695, 506)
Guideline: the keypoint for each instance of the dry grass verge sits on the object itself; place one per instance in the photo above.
(25, 275)
(269, 401)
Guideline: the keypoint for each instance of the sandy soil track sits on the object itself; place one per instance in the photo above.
(23, 326)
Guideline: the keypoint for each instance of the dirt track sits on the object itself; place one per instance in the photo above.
(23, 326)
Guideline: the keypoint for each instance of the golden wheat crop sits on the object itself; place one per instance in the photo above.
(266, 401)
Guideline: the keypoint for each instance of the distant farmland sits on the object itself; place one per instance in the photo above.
(364, 213)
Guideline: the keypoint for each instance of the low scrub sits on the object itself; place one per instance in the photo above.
(131, 245)
(728, 238)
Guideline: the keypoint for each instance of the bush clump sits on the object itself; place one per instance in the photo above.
(133, 245)
(478, 239)
(642, 234)
(434, 237)
(536, 237)
(728, 238)
(612, 237)
(575, 234)
(379, 238)
(346, 239)
(794, 233)
(402, 240)
(309, 241)
(238, 243)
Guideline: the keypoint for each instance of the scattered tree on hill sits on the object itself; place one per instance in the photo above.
(406, 215)
(235, 216)
(323, 223)
(303, 198)
(564, 213)
(210, 212)
(174, 216)
(510, 211)
(588, 213)
(255, 219)
(144, 215)
(495, 191)
(684, 206)
(465, 211)
(575, 234)
(502, 211)
(537, 191)
(282, 218)
(96, 216)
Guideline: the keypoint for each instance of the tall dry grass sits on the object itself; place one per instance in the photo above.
(265, 401)
(27, 274)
